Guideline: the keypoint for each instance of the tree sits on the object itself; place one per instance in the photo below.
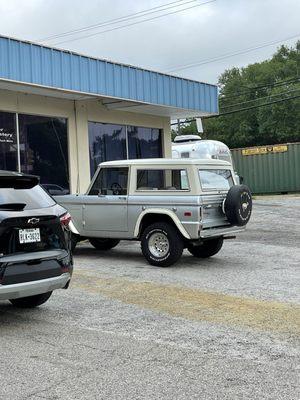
(269, 81)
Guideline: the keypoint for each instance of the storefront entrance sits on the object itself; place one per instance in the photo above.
(36, 145)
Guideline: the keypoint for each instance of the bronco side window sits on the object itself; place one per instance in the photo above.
(162, 179)
(110, 181)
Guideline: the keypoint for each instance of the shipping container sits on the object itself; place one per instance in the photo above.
(269, 169)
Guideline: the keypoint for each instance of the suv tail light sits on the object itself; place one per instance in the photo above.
(65, 219)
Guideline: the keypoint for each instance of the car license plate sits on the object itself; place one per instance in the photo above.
(29, 235)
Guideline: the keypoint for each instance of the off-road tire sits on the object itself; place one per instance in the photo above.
(238, 205)
(207, 249)
(104, 244)
(175, 241)
(31, 301)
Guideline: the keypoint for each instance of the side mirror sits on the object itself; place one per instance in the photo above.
(241, 179)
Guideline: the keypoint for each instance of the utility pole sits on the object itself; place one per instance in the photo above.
(178, 126)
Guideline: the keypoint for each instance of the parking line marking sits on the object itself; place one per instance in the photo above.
(195, 304)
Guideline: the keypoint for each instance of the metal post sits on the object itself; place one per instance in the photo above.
(18, 142)
(178, 126)
(126, 139)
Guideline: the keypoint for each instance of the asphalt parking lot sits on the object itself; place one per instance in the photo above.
(223, 328)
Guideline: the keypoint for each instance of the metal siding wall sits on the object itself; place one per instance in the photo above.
(56, 68)
(32, 63)
(139, 83)
(167, 89)
(37, 66)
(160, 92)
(13, 60)
(75, 76)
(146, 86)
(178, 92)
(93, 78)
(153, 87)
(270, 173)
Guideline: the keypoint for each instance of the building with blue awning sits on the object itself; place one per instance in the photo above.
(62, 113)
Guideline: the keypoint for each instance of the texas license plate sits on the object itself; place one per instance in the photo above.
(29, 235)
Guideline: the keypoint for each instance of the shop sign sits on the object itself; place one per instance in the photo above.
(7, 137)
(265, 150)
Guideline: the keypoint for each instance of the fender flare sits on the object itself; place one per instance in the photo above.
(163, 211)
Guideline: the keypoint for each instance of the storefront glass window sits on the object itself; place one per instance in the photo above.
(144, 142)
(8, 142)
(107, 142)
(44, 148)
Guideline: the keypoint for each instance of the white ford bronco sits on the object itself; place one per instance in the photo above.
(166, 204)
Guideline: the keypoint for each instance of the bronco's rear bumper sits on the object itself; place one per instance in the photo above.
(33, 288)
(217, 232)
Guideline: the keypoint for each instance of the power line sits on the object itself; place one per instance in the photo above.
(274, 84)
(135, 23)
(260, 98)
(241, 109)
(229, 55)
(252, 107)
(119, 19)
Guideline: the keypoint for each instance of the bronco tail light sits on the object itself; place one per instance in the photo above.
(65, 219)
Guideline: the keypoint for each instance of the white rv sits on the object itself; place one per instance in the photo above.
(192, 146)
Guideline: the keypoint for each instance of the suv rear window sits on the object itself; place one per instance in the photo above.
(33, 198)
(215, 179)
(162, 179)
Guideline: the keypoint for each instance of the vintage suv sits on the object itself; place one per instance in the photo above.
(167, 204)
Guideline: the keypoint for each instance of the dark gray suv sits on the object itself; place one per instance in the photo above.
(35, 256)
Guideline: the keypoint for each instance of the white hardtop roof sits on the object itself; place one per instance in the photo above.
(162, 162)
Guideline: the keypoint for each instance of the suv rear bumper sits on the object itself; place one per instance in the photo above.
(33, 288)
(217, 232)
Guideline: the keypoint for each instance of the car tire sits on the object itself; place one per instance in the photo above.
(31, 301)
(104, 244)
(161, 244)
(207, 249)
(238, 205)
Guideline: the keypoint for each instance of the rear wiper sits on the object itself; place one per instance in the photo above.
(12, 207)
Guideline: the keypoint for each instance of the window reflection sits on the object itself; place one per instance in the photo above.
(144, 142)
(8, 142)
(107, 142)
(44, 148)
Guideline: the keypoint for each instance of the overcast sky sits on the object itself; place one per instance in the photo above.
(192, 36)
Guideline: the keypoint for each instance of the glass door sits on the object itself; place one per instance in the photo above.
(8, 142)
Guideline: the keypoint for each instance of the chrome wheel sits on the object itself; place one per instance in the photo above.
(159, 244)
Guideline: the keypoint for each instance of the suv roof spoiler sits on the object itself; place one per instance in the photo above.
(15, 180)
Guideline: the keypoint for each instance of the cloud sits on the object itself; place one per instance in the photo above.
(192, 36)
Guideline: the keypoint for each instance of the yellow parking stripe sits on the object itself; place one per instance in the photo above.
(195, 304)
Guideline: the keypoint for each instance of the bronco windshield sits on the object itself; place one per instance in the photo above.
(215, 179)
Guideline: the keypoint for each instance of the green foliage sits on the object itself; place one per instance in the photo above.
(186, 129)
(254, 85)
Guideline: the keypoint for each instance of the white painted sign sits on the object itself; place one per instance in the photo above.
(7, 137)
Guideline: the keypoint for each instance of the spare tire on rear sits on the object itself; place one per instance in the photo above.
(238, 205)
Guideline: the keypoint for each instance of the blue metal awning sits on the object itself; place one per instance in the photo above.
(121, 86)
